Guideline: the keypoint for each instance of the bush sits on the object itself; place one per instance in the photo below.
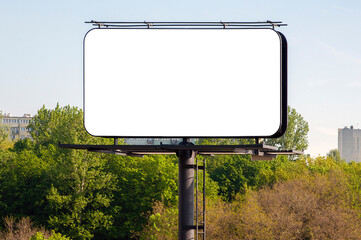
(21, 229)
(162, 225)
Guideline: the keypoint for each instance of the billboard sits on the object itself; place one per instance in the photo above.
(185, 83)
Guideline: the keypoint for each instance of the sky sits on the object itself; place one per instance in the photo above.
(41, 49)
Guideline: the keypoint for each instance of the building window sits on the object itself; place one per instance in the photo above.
(22, 129)
(15, 130)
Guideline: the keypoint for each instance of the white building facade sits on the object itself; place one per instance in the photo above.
(16, 126)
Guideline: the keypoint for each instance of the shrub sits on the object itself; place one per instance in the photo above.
(21, 229)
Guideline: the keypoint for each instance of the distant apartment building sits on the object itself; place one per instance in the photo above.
(16, 126)
(349, 144)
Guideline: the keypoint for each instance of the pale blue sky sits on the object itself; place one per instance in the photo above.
(41, 51)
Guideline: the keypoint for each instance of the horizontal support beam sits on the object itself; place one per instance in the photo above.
(241, 149)
(259, 151)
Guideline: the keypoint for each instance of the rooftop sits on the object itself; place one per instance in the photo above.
(26, 115)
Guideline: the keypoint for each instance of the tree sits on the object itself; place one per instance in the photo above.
(80, 196)
(236, 174)
(24, 184)
(296, 133)
(141, 181)
(94, 195)
(80, 192)
(334, 154)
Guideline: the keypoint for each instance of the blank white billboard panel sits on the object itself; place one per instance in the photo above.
(185, 82)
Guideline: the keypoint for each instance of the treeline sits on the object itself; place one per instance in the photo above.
(84, 195)
(80, 194)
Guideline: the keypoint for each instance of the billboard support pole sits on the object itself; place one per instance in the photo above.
(186, 192)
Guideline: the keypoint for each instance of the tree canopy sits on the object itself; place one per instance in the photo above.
(296, 136)
(334, 154)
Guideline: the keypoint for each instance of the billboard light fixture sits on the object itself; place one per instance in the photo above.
(221, 24)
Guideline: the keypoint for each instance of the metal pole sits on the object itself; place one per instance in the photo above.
(196, 160)
(204, 198)
(186, 193)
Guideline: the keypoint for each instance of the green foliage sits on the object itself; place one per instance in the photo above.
(334, 154)
(157, 228)
(236, 174)
(54, 236)
(66, 190)
(23, 144)
(24, 184)
(79, 197)
(81, 194)
(140, 183)
(50, 126)
(230, 177)
(280, 169)
(296, 133)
